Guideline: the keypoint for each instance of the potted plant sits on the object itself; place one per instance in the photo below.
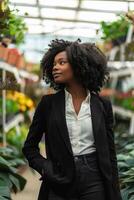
(125, 157)
(115, 31)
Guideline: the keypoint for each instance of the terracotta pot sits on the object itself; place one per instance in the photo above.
(4, 53)
(13, 56)
(107, 92)
(20, 63)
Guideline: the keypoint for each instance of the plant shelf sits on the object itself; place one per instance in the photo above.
(125, 113)
(14, 122)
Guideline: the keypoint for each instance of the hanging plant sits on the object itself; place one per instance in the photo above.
(11, 24)
(116, 29)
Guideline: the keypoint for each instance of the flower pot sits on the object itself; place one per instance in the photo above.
(20, 63)
(4, 53)
(13, 56)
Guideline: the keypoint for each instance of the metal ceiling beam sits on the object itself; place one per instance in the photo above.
(59, 19)
(65, 8)
(39, 10)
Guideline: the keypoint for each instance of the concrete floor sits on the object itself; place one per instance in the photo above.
(31, 189)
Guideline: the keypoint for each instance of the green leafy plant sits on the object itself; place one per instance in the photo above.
(125, 102)
(11, 106)
(115, 29)
(12, 154)
(125, 157)
(11, 24)
(126, 169)
(17, 140)
(10, 180)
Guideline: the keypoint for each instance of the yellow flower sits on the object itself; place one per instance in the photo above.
(23, 108)
(29, 103)
(22, 101)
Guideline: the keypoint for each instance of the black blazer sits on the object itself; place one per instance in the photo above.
(58, 170)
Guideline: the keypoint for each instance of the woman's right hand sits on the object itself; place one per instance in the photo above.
(48, 174)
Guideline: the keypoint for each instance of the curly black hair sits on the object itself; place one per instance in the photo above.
(86, 59)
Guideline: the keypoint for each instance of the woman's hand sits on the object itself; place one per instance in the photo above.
(51, 176)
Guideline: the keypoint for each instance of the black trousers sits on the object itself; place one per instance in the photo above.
(89, 182)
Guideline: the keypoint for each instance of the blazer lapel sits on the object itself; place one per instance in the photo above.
(96, 114)
(59, 112)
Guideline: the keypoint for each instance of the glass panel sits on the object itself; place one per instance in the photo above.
(96, 16)
(105, 5)
(32, 11)
(48, 29)
(131, 6)
(24, 1)
(32, 21)
(35, 29)
(87, 25)
(63, 3)
(77, 32)
(57, 13)
(57, 24)
(52, 25)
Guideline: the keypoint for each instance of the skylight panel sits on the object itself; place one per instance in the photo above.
(57, 13)
(60, 3)
(35, 29)
(87, 25)
(31, 2)
(32, 11)
(105, 5)
(52, 25)
(77, 32)
(57, 24)
(32, 21)
(131, 6)
(96, 16)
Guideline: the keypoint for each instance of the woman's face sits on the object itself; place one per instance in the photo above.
(62, 70)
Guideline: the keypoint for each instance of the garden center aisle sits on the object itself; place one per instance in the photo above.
(31, 189)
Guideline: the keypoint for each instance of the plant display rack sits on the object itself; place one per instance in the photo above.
(125, 113)
(123, 67)
(115, 76)
(20, 76)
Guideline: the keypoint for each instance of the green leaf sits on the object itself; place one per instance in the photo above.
(4, 180)
(6, 166)
(125, 194)
(5, 191)
(3, 198)
(16, 183)
(132, 197)
(22, 181)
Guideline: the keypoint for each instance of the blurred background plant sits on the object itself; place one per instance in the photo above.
(10, 180)
(125, 157)
(11, 25)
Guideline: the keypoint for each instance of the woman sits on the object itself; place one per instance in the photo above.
(78, 125)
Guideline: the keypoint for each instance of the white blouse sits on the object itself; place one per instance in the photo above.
(79, 126)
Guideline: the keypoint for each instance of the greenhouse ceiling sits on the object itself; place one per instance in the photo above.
(69, 17)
